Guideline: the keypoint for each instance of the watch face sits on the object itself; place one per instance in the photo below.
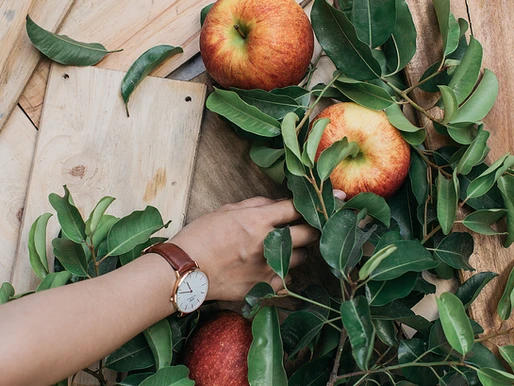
(192, 291)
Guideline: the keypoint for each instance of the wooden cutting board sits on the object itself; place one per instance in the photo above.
(135, 26)
(19, 57)
(87, 142)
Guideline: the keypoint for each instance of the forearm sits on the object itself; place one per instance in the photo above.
(47, 336)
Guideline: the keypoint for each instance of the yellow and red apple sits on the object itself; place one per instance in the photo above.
(384, 157)
(256, 44)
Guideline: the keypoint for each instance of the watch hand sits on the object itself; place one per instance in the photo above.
(188, 286)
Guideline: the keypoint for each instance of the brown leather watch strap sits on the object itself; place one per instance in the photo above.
(173, 254)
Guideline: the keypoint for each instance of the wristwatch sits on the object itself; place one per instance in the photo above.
(191, 287)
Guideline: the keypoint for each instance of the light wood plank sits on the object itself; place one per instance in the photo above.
(87, 142)
(19, 57)
(17, 143)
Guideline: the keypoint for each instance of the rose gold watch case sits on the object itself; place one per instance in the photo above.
(178, 282)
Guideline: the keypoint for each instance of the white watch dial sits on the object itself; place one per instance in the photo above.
(192, 291)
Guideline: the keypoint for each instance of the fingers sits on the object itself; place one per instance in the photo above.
(303, 235)
(282, 212)
(248, 203)
(299, 257)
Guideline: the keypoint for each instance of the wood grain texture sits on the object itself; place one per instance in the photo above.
(19, 57)
(17, 143)
(87, 142)
(489, 255)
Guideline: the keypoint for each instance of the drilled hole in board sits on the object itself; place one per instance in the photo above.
(188, 99)
(65, 76)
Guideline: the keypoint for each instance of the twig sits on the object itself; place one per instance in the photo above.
(335, 369)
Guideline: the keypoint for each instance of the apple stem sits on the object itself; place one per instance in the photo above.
(239, 31)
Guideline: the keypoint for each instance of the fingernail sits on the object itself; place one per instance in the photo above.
(339, 194)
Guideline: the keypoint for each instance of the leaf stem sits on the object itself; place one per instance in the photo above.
(430, 163)
(421, 82)
(429, 236)
(319, 193)
(295, 295)
(93, 256)
(335, 369)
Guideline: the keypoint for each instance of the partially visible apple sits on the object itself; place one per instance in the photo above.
(216, 354)
(256, 44)
(383, 161)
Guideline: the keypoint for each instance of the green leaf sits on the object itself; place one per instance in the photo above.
(402, 314)
(313, 373)
(144, 65)
(312, 143)
(306, 200)
(298, 330)
(273, 104)
(373, 262)
(69, 216)
(53, 280)
(466, 75)
(471, 288)
(485, 181)
(249, 118)
(450, 104)
(132, 230)
(37, 246)
(299, 94)
(133, 355)
(450, 30)
(339, 40)
(408, 352)
(493, 377)
(455, 323)
(138, 250)
(333, 155)
(366, 94)
(506, 303)
(401, 47)
(491, 200)
(264, 156)
(375, 205)
(455, 250)
(414, 139)
(71, 256)
(480, 221)
(412, 134)
(275, 172)
(506, 186)
(356, 318)
(255, 296)
(6, 292)
(64, 50)
(265, 366)
(507, 353)
(474, 154)
(96, 215)
(103, 228)
(134, 379)
(169, 376)
(203, 13)
(374, 20)
(380, 293)
(447, 202)
(278, 249)
(410, 256)
(418, 170)
(159, 339)
(481, 101)
(386, 332)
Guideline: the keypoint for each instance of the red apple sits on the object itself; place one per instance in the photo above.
(217, 352)
(384, 158)
(256, 44)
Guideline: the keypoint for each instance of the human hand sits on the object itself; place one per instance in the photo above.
(228, 246)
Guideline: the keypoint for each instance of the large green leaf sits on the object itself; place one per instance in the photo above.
(278, 249)
(410, 256)
(255, 296)
(466, 75)
(366, 94)
(480, 221)
(312, 143)
(133, 355)
(53, 280)
(6, 292)
(265, 358)
(455, 323)
(37, 246)
(374, 20)
(249, 118)
(160, 342)
(455, 250)
(306, 200)
(408, 352)
(507, 353)
(356, 318)
(71, 256)
(138, 250)
(298, 330)
(375, 205)
(273, 104)
(481, 101)
(69, 216)
(450, 30)
(373, 262)
(412, 134)
(132, 230)
(275, 172)
(169, 376)
(313, 373)
(339, 40)
(400, 313)
(447, 202)
(485, 181)
(401, 47)
(333, 155)
(103, 228)
(493, 377)
(379, 293)
(386, 332)
(134, 379)
(471, 288)
(450, 104)
(418, 176)
(474, 154)
(506, 303)
(64, 50)
(506, 186)
(96, 215)
(264, 156)
(490, 200)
